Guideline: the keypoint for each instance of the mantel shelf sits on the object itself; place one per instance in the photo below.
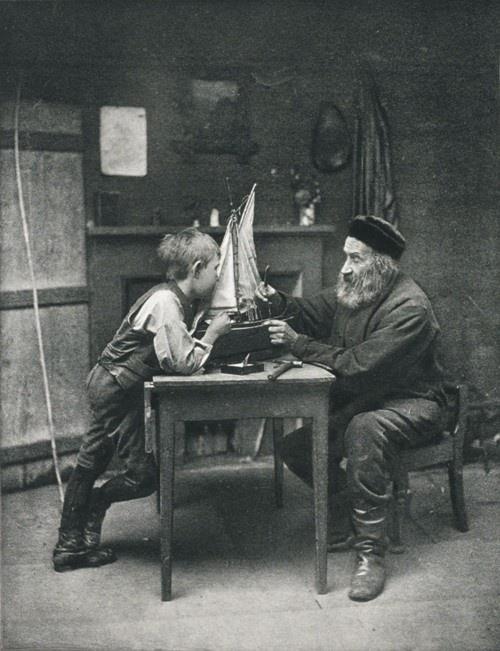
(319, 230)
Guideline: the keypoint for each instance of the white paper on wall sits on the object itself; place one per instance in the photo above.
(123, 141)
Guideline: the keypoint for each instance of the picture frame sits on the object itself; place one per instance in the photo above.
(215, 119)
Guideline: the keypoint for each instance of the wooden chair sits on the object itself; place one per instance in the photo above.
(448, 450)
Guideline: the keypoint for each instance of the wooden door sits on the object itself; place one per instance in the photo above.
(51, 173)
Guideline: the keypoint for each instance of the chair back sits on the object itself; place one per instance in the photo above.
(448, 450)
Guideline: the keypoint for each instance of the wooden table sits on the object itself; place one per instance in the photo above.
(302, 392)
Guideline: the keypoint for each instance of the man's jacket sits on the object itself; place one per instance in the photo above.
(382, 351)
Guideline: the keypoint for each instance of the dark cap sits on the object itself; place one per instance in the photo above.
(379, 234)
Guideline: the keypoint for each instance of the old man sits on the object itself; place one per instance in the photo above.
(377, 332)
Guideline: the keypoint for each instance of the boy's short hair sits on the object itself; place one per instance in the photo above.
(179, 251)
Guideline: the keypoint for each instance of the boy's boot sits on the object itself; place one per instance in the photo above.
(95, 518)
(368, 578)
(125, 486)
(70, 551)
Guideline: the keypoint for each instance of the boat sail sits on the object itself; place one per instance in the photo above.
(238, 274)
(235, 290)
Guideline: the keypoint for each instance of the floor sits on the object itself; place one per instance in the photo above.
(243, 573)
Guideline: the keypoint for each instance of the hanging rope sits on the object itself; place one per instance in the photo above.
(38, 327)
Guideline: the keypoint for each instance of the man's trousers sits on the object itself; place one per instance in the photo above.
(370, 443)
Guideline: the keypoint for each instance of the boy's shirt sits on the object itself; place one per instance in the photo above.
(156, 335)
(177, 350)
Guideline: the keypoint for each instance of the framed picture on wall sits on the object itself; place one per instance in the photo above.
(215, 119)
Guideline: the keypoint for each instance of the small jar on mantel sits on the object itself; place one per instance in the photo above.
(307, 198)
(307, 215)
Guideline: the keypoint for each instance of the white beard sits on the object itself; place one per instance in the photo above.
(367, 286)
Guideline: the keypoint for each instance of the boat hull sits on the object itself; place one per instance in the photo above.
(244, 338)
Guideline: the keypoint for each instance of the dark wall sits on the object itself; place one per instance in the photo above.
(435, 64)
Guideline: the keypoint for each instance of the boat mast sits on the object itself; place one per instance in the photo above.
(233, 225)
(238, 215)
(236, 272)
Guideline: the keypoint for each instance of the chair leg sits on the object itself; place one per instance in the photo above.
(158, 489)
(278, 461)
(455, 476)
(399, 505)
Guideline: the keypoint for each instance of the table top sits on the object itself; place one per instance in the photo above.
(307, 373)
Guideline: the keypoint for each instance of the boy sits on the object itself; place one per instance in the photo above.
(155, 336)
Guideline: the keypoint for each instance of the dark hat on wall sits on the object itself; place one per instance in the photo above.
(379, 234)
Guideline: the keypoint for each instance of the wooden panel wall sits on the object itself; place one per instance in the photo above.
(54, 204)
(24, 415)
(53, 194)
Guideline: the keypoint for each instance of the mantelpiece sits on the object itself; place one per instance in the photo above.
(320, 230)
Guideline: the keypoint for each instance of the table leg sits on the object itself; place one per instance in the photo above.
(149, 419)
(320, 479)
(278, 461)
(167, 456)
(150, 434)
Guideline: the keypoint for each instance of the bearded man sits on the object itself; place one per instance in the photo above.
(376, 331)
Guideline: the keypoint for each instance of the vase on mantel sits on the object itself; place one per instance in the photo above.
(307, 215)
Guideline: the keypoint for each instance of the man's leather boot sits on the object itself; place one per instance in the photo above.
(367, 482)
(340, 532)
(368, 578)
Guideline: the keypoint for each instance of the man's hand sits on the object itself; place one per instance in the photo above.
(220, 325)
(264, 292)
(280, 333)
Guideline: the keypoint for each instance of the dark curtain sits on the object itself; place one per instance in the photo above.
(373, 192)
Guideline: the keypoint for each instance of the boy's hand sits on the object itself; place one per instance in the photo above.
(264, 291)
(220, 325)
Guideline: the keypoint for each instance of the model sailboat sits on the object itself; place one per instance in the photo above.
(238, 274)
(235, 290)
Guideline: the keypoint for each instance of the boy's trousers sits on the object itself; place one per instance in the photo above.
(117, 423)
